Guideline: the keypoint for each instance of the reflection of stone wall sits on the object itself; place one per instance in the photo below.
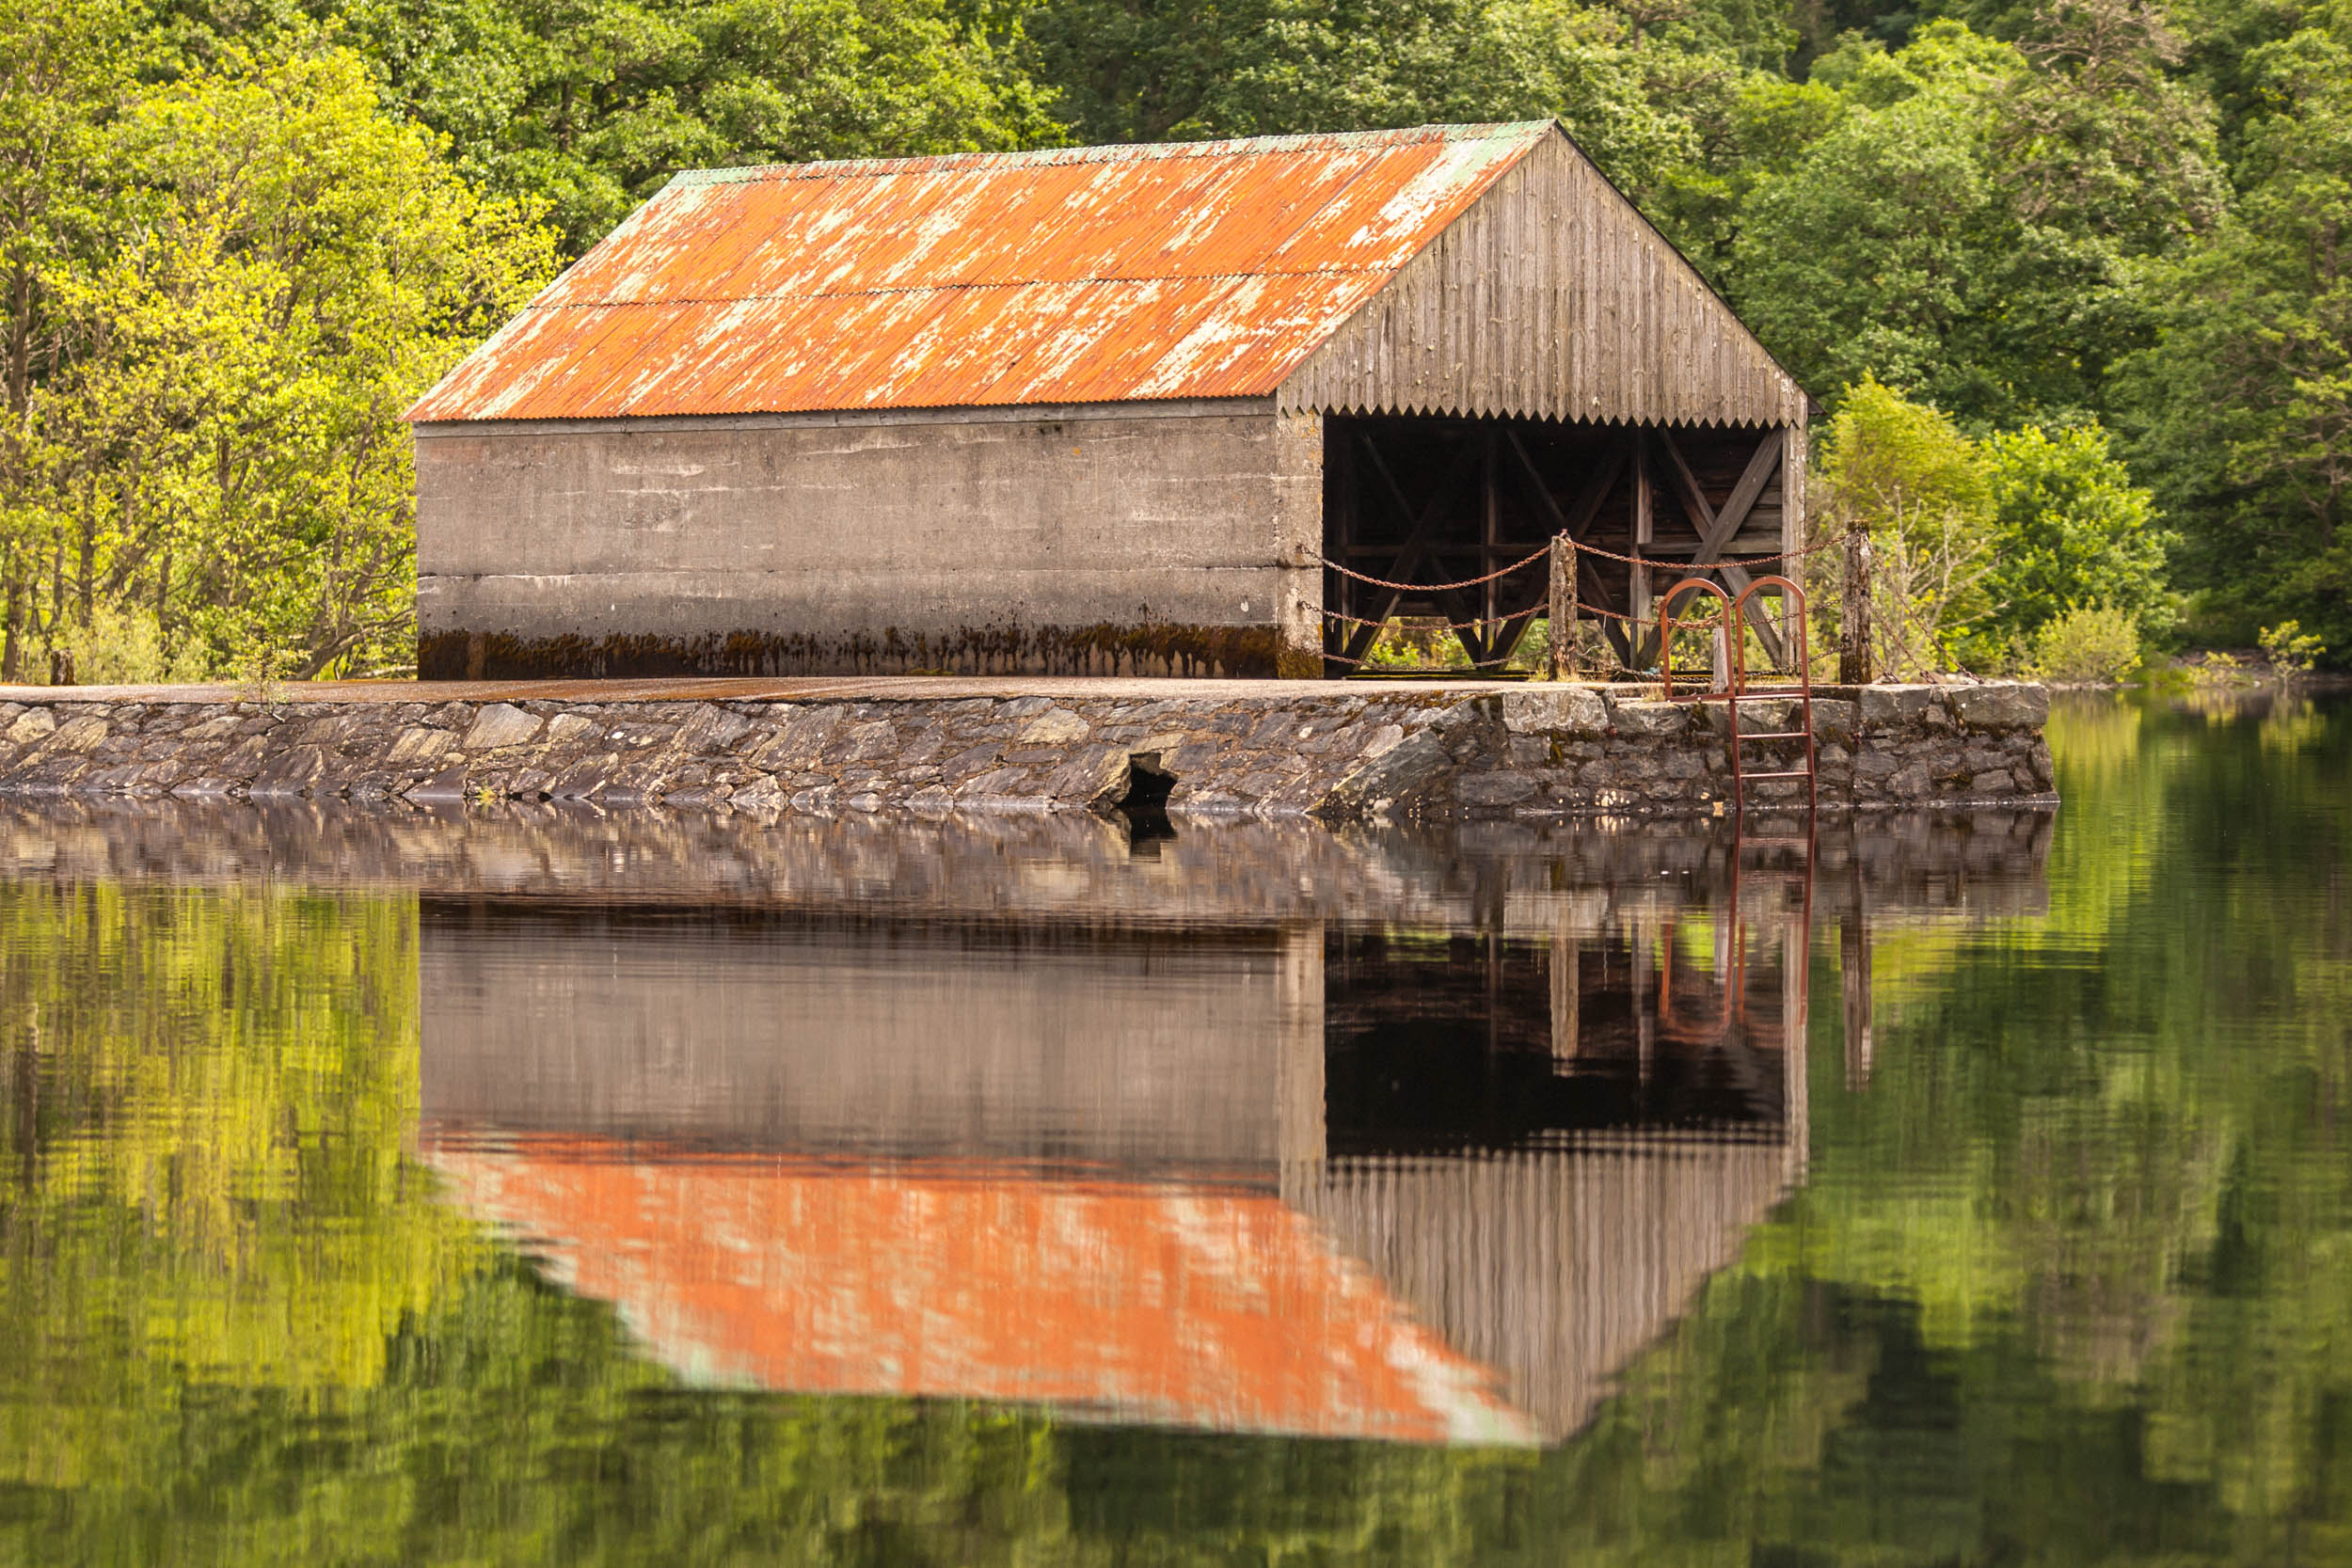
(1318, 749)
(1062, 867)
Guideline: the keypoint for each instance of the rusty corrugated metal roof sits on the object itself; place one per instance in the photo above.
(1196, 1306)
(1083, 274)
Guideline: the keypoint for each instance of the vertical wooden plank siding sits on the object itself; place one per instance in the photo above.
(1551, 297)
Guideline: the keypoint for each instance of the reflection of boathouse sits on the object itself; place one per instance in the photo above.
(1429, 1179)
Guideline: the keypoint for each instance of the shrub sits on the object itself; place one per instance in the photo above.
(1904, 472)
(2291, 650)
(2069, 528)
(2088, 642)
(122, 645)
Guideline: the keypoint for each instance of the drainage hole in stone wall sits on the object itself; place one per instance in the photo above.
(1144, 804)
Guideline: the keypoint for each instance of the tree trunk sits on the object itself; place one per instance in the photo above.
(12, 652)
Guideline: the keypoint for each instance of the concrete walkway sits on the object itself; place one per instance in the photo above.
(694, 688)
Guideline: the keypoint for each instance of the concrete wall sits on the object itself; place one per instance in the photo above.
(1130, 539)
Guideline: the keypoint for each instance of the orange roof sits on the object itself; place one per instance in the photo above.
(1085, 275)
(1197, 1306)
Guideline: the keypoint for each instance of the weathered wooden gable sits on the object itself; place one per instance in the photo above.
(1550, 297)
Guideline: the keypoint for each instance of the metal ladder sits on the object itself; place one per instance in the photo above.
(1737, 690)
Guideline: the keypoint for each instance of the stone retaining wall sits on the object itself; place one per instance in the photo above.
(1531, 750)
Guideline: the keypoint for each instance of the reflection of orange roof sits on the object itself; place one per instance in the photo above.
(1195, 1307)
(1075, 274)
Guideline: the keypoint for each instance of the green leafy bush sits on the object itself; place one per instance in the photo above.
(2292, 651)
(2087, 643)
(2069, 528)
(124, 645)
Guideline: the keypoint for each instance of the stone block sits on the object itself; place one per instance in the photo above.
(446, 787)
(1651, 720)
(289, 773)
(713, 728)
(1089, 774)
(1834, 719)
(1886, 705)
(1573, 711)
(1996, 783)
(582, 781)
(1055, 727)
(1493, 789)
(499, 724)
(80, 735)
(798, 741)
(2002, 705)
(244, 757)
(418, 744)
(863, 741)
(1529, 750)
(1379, 781)
(34, 723)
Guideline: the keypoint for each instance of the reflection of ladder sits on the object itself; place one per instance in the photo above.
(1733, 687)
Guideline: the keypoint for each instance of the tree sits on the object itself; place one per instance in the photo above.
(589, 105)
(1871, 257)
(2243, 410)
(2070, 530)
(1631, 83)
(1972, 230)
(1904, 474)
(285, 269)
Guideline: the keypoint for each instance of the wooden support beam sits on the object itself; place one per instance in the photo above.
(1576, 524)
(1568, 1035)
(1421, 528)
(1644, 527)
(1717, 529)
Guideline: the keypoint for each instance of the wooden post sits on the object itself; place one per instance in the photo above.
(1563, 607)
(1644, 521)
(1567, 993)
(1853, 964)
(1854, 621)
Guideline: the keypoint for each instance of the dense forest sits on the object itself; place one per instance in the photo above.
(2069, 276)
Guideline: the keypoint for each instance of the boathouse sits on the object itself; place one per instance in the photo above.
(1095, 411)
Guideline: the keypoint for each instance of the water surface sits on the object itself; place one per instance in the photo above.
(542, 1186)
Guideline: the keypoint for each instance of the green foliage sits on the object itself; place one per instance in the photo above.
(1903, 473)
(589, 105)
(2292, 651)
(1416, 644)
(2069, 528)
(2086, 643)
(1980, 548)
(2245, 407)
(1138, 74)
(225, 298)
(1970, 227)
(123, 644)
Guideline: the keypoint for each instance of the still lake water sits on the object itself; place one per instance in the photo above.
(537, 1187)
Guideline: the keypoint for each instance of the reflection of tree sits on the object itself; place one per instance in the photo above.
(2096, 1183)
(203, 1178)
